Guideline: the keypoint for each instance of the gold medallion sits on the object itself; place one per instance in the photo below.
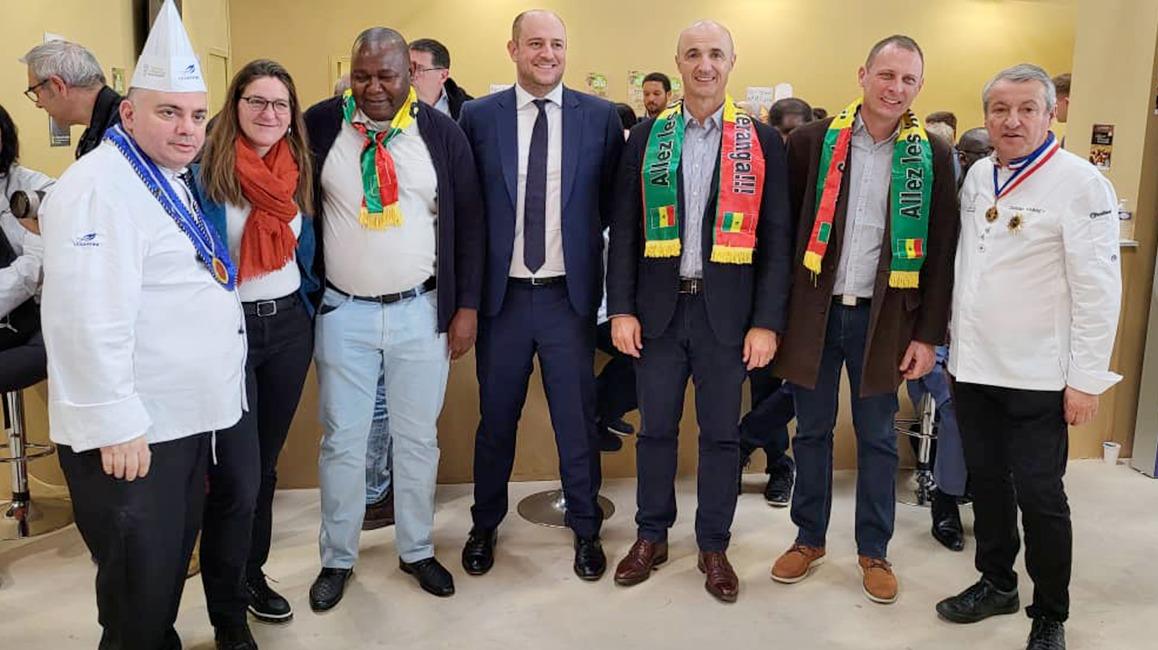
(1015, 223)
(991, 214)
(219, 271)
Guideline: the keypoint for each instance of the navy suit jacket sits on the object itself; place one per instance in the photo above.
(592, 143)
(739, 296)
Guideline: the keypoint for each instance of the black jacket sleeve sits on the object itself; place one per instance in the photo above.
(469, 227)
(774, 238)
(612, 152)
(626, 245)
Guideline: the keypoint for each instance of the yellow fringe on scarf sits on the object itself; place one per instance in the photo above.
(812, 262)
(731, 255)
(389, 217)
(904, 279)
(662, 248)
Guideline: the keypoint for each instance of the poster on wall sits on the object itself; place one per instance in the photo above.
(677, 88)
(597, 84)
(1102, 145)
(760, 96)
(635, 91)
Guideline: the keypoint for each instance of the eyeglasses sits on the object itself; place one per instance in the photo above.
(259, 104)
(30, 92)
(420, 70)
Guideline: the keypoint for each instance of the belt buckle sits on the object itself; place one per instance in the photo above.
(272, 304)
(537, 282)
(848, 300)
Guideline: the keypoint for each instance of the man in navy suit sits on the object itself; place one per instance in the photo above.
(546, 157)
(697, 285)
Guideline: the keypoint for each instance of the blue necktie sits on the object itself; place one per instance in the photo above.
(535, 195)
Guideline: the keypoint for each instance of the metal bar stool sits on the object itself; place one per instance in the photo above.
(915, 486)
(549, 508)
(24, 517)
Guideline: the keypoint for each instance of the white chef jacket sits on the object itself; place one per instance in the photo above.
(141, 339)
(1036, 308)
(20, 280)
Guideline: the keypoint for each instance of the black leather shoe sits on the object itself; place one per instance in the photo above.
(977, 603)
(947, 527)
(590, 562)
(781, 477)
(265, 604)
(478, 555)
(234, 638)
(1046, 635)
(432, 576)
(328, 588)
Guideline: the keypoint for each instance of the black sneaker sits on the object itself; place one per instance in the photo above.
(977, 603)
(1046, 635)
(619, 427)
(265, 604)
(608, 439)
(234, 638)
(781, 477)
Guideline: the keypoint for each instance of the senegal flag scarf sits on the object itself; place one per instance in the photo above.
(741, 186)
(380, 209)
(909, 195)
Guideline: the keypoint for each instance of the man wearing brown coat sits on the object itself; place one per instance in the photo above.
(872, 280)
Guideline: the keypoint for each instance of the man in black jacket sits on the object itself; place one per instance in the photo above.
(66, 80)
(401, 255)
(430, 74)
(700, 289)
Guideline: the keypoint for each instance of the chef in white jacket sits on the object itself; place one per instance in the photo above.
(1035, 311)
(145, 342)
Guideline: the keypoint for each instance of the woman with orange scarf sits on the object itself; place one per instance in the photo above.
(256, 182)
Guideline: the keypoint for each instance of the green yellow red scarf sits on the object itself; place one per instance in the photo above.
(380, 209)
(740, 192)
(909, 195)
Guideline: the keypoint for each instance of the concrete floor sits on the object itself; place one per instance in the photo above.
(532, 600)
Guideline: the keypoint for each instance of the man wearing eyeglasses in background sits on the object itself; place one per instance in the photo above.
(66, 80)
(430, 74)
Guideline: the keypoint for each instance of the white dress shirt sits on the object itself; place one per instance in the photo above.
(1036, 308)
(527, 114)
(366, 262)
(275, 284)
(141, 338)
(20, 280)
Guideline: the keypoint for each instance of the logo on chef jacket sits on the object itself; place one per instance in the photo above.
(88, 240)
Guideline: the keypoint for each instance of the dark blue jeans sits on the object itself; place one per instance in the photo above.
(766, 425)
(876, 443)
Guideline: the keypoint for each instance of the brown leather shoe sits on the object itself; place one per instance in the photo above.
(796, 563)
(640, 561)
(880, 585)
(381, 514)
(721, 580)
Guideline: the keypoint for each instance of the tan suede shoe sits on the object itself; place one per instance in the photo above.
(796, 563)
(880, 585)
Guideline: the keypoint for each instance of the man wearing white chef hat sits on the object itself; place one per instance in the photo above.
(145, 342)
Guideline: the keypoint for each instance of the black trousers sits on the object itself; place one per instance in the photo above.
(141, 534)
(1016, 445)
(615, 383)
(238, 509)
(689, 347)
(24, 365)
(766, 425)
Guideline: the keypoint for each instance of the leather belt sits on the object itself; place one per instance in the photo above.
(692, 286)
(846, 300)
(388, 298)
(538, 282)
(267, 308)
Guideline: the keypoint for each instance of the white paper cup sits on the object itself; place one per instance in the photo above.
(1110, 452)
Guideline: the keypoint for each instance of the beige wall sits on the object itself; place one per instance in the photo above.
(815, 46)
(1114, 82)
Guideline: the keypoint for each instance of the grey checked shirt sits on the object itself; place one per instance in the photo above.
(701, 152)
(868, 207)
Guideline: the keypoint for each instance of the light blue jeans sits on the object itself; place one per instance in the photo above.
(356, 341)
(378, 449)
